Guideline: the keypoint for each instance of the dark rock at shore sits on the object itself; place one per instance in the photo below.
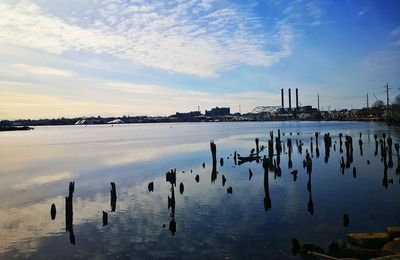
(339, 249)
(369, 240)
(391, 248)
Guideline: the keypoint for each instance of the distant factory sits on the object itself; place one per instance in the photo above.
(290, 98)
(215, 114)
(299, 112)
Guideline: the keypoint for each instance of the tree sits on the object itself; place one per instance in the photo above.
(396, 110)
(378, 104)
(396, 100)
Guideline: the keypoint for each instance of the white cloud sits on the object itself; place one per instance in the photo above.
(40, 70)
(171, 100)
(190, 37)
(115, 98)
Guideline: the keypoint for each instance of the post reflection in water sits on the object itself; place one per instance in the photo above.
(171, 205)
(310, 204)
(289, 145)
(308, 165)
(267, 197)
(396, 147)
(69, 213)
(360, 143)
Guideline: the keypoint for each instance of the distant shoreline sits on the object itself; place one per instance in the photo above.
(31, 127)
(15, 128)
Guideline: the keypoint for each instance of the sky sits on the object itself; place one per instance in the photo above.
(142, 57)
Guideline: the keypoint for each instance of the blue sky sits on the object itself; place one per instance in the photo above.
(141, 57)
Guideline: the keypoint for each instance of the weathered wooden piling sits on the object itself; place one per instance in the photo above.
(53, 211)
(346, 220)
(113, 192)
(151, 187)
(257, 147)
(213, 148)
(171, 177)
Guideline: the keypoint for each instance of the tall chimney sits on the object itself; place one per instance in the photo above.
(297, 98)
(283, 104)
(290, 100)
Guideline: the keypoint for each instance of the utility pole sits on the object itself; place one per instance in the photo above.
(240, 109)
(387, 100)
(367, 101)
(318, 101)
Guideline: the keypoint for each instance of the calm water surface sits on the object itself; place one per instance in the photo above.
(37, 166)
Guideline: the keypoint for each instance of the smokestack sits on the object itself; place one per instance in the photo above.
(283, 103)
(290, 99)
(297, 98)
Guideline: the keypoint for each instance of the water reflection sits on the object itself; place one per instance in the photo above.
(202, 199)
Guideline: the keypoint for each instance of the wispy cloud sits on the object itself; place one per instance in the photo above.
(191, 37)
(41, 70)
(395, 31)
(307, 13)
(361, 13)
